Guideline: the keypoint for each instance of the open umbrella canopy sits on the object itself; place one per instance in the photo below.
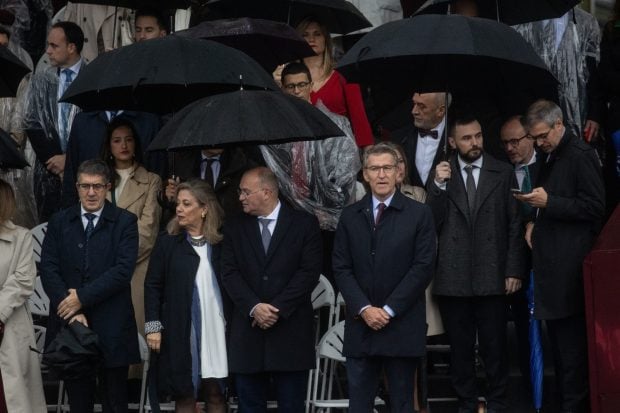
(10, 158)
(510, 12)
(340, 16)
(163, 75)
(268, 42)
(449, 53)
(244, 116)
(12, 70)
(135, 4)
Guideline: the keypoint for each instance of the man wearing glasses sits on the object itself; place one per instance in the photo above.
(568, 199)
(384, 256)
(480, 260)
(87, 261)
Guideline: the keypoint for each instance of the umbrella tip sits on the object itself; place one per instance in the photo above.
(240, 82)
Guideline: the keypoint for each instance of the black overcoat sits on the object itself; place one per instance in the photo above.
(390, 265)
(565, 230)
(284, 278)
(105, 289)
(477, 251)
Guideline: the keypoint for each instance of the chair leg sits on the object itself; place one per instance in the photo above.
(59, 399)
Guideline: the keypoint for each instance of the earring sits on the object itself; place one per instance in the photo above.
(204, 214)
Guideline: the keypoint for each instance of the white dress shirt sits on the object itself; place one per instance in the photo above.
(475, 171)
(85, 220)
(520, 171)
(215, 168)
(425, 151)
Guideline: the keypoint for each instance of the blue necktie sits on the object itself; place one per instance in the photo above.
(90, 227)
(65, 109)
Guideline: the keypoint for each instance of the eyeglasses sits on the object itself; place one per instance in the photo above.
(246, 192)
(300, 86)
(387, 169)
(515, 142)
(88, 187)
(540, 137)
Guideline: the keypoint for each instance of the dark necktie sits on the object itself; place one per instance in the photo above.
(470, 186)
(88, 231)
(65, 109)
(113, 114)
(380, 209)
(208, 177)
(526, 187)
(427, 132)
(265, 235)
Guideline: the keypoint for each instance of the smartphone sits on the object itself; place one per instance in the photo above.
(516, 191)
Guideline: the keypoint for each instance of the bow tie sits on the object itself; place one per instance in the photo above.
(427, 132)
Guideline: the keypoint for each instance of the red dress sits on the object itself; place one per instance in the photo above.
(345, 99)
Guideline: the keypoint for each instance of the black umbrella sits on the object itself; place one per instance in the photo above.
(268, 42)
(510, 12)
(135, 4)
(244, 116)
(10, 158)
(448, 53)
(340, 16)
(74, 353)
(163, 75)
(12, 70)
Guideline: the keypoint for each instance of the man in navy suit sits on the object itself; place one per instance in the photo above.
(87, 262)
(271, 261)
(383, 259)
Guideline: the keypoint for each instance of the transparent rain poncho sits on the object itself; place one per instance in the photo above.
(565, 45)
(21, 25)
(41, 114)
(317, 176)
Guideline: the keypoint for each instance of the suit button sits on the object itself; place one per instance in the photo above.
(265, 278)
(80, 245)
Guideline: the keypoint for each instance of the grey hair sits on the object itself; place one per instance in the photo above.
(544, 111)
(94, 167)
(380, 149)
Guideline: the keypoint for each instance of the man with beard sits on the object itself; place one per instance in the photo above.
(480, 260)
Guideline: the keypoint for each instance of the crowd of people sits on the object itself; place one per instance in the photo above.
(433, 225)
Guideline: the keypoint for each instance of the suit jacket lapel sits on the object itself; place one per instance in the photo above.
(252, 231)
(282, 224)
(487, 182)
(456, 189)
(131, 193)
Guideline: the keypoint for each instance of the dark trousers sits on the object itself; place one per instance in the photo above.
(112, 388)
(290, 389)
(570, 356)
(363, 375)
(463, 317)
(519, 313)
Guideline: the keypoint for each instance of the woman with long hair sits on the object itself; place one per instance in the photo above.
(134, 189)
(329, 86)
(184, 307)
(21, 373)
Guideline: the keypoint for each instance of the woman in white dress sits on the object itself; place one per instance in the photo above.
(184, 309)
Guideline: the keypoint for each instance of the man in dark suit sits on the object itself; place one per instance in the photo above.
(423, 141)
(383, 261)
(480, 260)
(87, 261)
(47, 121)
(569, 199)
(271, 261)
(522, 154)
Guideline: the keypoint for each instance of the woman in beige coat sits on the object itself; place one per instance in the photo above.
(134, 189)
(21, 372)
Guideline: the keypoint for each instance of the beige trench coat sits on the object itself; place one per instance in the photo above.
(21, 372)
(139, 197)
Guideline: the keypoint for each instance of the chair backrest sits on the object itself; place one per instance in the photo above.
(332, 342)
(38, 234)
(323, 294)
(39, 302)
(39, 337)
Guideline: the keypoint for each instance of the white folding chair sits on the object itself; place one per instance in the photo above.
(339, 306)
(39, 302)
(38, 234)
(330, 348)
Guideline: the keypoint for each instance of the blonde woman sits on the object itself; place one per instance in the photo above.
(183, 304)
